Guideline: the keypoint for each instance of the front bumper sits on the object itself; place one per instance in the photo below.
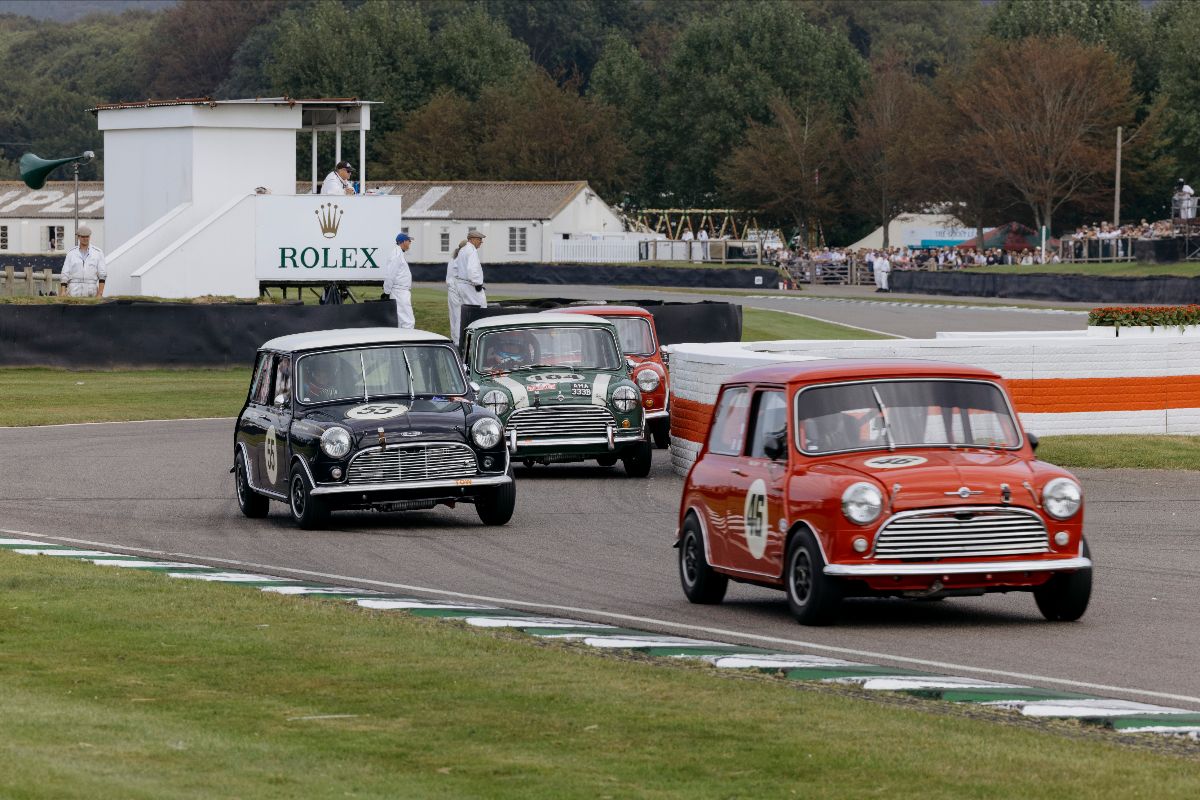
(956, 568)
(375, 488)
(615, 437)
(656, 414)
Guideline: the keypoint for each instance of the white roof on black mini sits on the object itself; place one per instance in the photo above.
(350, 337)
(540, 318)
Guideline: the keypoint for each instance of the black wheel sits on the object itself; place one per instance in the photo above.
(701, 583)
(661, 431)
(1065, 596)
(251, 503)
(812, 596)
(638, 460)
(307, 511)
(495, 506)
(606, 461)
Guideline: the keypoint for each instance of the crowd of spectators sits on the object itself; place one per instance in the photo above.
(1143, 230)
(835, 261)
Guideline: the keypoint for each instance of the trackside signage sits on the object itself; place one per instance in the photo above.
(324, 237)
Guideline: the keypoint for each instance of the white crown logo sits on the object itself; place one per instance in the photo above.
(330, 217)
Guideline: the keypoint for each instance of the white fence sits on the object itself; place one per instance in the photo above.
(595, 252)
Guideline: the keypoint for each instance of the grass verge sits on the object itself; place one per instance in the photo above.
(759, 325)
(1139, 269)
(1123, 451)
(122, 684)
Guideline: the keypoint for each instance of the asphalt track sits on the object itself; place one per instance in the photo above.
(597, 544)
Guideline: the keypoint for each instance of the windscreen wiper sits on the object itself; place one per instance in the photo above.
(412, 394)
(887, 425)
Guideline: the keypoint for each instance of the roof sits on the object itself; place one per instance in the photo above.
(55, 200)
(478, 200)
(348, 337)
(541, 318)
(826, 369)
(252, 101)
(608, 311)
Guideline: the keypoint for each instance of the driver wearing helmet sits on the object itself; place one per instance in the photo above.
(320, 382)
(508, 350)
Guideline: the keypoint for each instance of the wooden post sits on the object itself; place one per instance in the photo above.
(48, 282)
(29, 282)
(8, 280)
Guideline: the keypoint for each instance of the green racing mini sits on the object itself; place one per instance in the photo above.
(561, 386)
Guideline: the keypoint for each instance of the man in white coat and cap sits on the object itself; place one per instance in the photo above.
(397, 282)
(83, 270)
(338, 181)
(465, 276)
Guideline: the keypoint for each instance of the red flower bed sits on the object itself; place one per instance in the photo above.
(1154, 316)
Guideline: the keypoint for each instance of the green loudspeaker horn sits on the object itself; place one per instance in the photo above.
(35, 169)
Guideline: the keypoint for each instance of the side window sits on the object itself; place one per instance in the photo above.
(770, 420)
(283, 381)
(728, 434)
(261, 391)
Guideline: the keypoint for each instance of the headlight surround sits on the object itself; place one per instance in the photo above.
(625, 398)
(862, 503)
(336, 442)
(486, 433)
(1062, 498)
(647, 380)
(495, 401)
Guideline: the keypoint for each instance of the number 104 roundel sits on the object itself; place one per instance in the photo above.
(912, 479)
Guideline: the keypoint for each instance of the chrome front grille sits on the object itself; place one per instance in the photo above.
(553, 422)
(412, 463)
(962, 533)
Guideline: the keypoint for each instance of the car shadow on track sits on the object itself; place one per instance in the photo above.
(890, 613)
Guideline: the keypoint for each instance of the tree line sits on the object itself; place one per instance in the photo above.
(829, 116)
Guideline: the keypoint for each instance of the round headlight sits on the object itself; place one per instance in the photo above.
(625, 398)
(647, 380)
(335, 442)
(495, 401)
(862, 503)
(486, 433)
(1061, 498)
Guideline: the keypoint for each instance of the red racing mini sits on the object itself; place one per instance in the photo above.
(639, 342)
(831, 479)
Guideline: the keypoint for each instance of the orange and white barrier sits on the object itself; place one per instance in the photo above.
(1061, 383)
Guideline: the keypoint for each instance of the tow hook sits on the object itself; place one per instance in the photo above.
(935, 588)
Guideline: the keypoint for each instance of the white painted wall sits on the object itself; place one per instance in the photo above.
(25, 235)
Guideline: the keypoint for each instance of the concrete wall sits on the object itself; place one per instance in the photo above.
(1061, 384)
(25, 235)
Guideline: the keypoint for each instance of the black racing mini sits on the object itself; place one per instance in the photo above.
(367, 418)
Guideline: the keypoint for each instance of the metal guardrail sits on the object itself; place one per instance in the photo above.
(27, 282)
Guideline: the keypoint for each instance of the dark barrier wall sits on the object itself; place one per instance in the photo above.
(120, 333)
(38, 262)
(1156, 290)
(674, 322)
(615, 275)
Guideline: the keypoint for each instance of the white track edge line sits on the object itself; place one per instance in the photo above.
(633, 618)
(830, 322)
(111, 422)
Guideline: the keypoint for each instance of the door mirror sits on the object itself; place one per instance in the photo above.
(775, 447)
(1033, 440)
(281, 399)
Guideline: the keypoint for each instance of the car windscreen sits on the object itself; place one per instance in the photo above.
(909, 413)
(634, 333)
(573, 346)
(370, 372)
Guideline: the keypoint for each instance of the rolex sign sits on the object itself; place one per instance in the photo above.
(324, 238)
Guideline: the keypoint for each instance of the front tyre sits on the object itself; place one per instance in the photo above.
(307, 511)
(638, 461)
(495, 506)
(701, 583)
(252, 504)
(661, 433)
(813, 597)
(1065, 596)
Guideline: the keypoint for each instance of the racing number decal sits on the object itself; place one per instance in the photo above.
(892, 462)
(376, 411)
(272, 455)
(754, 518)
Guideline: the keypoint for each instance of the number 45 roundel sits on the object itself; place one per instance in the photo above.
(754, 518)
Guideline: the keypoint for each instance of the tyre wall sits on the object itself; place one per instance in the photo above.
(1061, 383)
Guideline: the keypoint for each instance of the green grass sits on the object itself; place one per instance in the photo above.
(760, 326)
(1124, 451)
(35, 396)
(1138, 269)
(133, 685)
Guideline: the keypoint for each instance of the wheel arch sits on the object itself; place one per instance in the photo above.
(798, 527)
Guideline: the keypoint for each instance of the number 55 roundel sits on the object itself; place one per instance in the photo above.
(754, 518)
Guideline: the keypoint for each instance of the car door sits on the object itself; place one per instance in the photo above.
(758, 514)
(252, 425)
(278, 419)
(720, 473)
